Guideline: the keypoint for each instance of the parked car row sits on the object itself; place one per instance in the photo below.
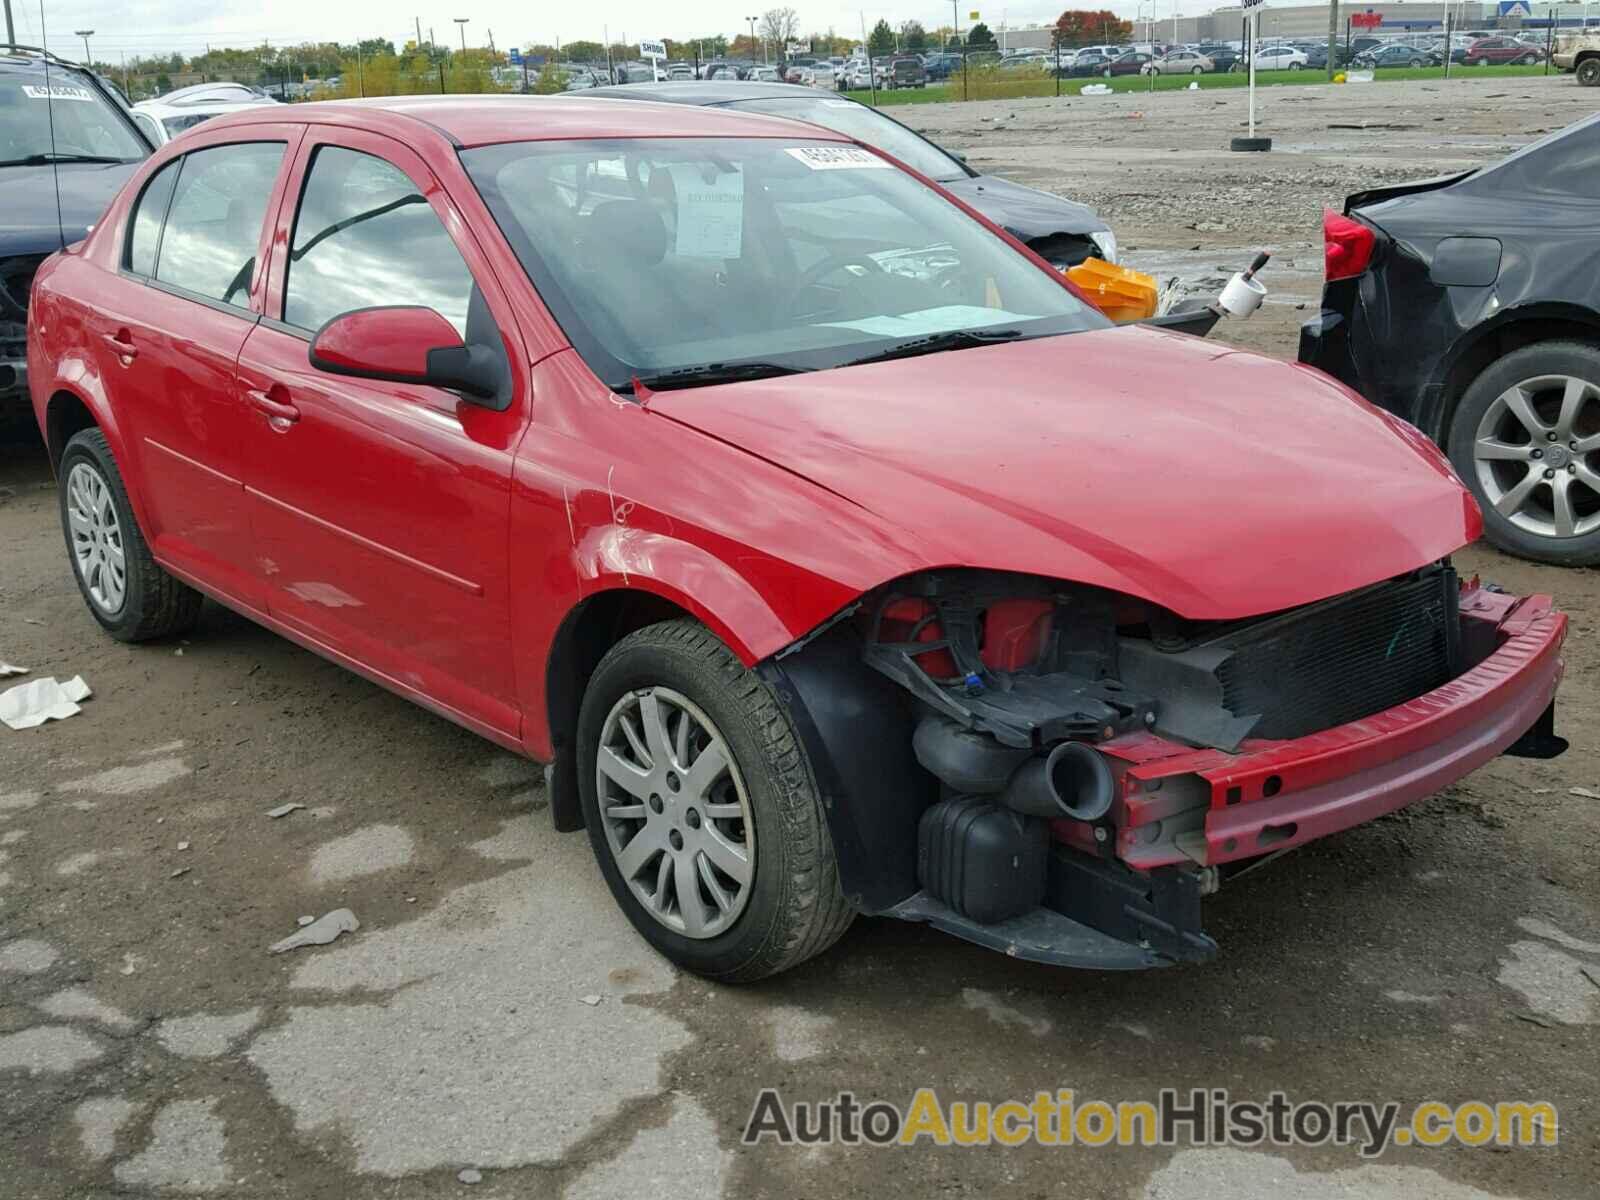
(715, 460)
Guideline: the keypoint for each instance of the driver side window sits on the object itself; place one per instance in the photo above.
(366, 237)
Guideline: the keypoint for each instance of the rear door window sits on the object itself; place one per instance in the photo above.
(214, 224)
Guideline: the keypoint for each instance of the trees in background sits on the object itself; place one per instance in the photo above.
(881, 40)
(979, 37)
(1079, 27)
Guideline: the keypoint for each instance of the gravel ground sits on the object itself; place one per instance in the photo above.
(494, 1025)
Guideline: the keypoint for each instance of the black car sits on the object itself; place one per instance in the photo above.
(1090, 62)
(1060, 231)
(1398, 55)
(52, 186)
(1470, 306)
(1222, 56)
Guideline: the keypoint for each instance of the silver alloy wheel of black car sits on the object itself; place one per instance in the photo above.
(96, 535)
(676, 815)
(1531, 454)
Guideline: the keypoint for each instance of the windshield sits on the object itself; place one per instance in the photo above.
(864, 125)
(665, 255)
(86, 125)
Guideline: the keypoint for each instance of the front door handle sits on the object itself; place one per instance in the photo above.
(121, 342)
(275, 404)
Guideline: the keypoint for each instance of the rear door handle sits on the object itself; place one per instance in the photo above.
(275, 404)
(121, 342)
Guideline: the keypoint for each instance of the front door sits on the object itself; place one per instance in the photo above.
(380, 511)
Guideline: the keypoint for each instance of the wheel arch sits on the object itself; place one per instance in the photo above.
(1482, 346)
(66, 413)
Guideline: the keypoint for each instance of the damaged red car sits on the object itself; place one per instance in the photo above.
(833, 552)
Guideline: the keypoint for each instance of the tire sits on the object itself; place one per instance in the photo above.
(1530, 529)
(151, 603)
(792, 908)
(1106, 73)
(1588, 72)
(1417, 62)
(1529, 60)
(1198, 71)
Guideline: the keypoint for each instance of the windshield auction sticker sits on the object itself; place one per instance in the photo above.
(1198, 1117)
(838, 158)
(57, 91)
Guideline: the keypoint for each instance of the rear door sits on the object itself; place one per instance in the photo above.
(169, 327)
(381, 510)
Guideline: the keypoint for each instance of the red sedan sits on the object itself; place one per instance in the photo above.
(1501, 50)
(836, 555)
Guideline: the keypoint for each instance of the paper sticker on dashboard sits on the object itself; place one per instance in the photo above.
(711, 217)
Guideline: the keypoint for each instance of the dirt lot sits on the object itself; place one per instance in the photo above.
(495, 1014)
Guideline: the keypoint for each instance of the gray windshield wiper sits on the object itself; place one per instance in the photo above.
(44, 160)
(709, 373)
(956, 339)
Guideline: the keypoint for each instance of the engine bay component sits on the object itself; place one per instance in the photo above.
(1073, 782)
(957, 642)
(985, 862)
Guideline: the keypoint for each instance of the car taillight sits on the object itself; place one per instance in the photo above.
(1347, 246)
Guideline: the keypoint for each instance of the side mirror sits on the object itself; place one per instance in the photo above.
(407, 344)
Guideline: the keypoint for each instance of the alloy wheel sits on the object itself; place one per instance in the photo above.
(96, 538)
(675, 812)
(1535, 451)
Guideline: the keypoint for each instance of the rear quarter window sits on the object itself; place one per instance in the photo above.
(149, 214)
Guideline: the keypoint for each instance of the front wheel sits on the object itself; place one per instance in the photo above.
(1525, 439)
(1588, 72)
(1106, 73)
(703, 810)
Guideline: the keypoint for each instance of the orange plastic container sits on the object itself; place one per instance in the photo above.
(1122, 293)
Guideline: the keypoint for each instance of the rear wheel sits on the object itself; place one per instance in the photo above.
(125, 588)
(1198, 71)
(702, 808)
(1526, 439)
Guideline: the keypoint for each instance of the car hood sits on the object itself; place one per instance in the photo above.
(1024, 212)
(28, 220)
(1218, 483)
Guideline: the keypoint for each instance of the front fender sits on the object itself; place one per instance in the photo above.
(616, 557)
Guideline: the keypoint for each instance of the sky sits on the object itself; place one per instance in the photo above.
(160, 26)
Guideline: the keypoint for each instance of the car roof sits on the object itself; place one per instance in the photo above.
(702, 92)
(484, 120)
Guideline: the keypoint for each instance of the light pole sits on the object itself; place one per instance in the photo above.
(462, 22)
(85, 34)
(752, 21)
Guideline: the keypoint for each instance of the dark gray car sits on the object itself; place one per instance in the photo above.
(67, 145)
(1470, 306)
(1063, 232)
